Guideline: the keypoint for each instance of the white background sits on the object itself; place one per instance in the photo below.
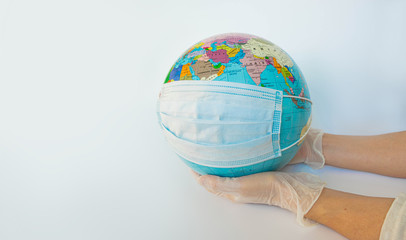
(81, 154)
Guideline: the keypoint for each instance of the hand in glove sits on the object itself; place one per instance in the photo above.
(296, 192)
(311, 152)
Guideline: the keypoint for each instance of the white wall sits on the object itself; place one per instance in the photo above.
(81, 155)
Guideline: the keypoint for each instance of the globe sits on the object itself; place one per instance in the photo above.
(248, 59)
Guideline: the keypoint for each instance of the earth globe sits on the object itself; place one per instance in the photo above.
(252, 60)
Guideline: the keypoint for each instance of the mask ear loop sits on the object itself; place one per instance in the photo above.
(307, 131)
(303, 98)
(300, 139)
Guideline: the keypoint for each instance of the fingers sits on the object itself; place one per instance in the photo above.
(195, 174)
(247, 189)
(300, 156)
(255, 188)
(218, 185)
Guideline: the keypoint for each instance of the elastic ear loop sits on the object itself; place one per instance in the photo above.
(307, 131)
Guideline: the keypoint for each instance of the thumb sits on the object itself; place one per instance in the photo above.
(220, 186)
(217, 184)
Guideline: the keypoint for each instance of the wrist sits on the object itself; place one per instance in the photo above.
(320, 208)
(354, 216)
(327, 145)
(315, 157)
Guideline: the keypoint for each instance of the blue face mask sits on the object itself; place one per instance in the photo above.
(222, 124)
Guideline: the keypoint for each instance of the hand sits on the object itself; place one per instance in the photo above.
(311, 152)
(296, 192)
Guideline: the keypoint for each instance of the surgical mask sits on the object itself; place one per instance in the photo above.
(222, 124)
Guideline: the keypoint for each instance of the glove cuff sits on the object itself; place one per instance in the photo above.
(304, 189)
(317, 161)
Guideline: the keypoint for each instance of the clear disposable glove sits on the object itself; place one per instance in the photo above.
(311, 152)
(296, 192)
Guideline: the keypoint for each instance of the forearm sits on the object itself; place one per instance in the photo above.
(383, 154)
(353, 216)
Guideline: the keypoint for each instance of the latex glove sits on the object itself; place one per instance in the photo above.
(311, 152)
(296, 192)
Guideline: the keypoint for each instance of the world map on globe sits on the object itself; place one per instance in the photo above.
(248, 59)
